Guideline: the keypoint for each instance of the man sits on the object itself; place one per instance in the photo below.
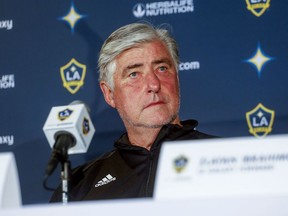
(139, 77)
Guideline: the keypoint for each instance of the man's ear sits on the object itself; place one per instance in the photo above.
(108, 93)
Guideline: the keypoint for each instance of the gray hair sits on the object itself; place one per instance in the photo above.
(127, 37)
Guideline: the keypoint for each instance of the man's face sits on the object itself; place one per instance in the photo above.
(146, 88)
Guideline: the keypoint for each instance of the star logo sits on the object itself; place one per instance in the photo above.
(72, 17)
(259, 60)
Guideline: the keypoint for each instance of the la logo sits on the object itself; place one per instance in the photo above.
(260, 120)
(258, 7)
(73, 74)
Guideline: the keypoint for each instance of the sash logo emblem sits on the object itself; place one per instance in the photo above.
(64, 114)
(73, 74)
(260, 120)
(180, 163)
(85, 126)
(258, 7)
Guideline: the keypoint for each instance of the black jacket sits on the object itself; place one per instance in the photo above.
(126, 172)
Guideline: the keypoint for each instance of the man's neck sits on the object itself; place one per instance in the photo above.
(143, 137)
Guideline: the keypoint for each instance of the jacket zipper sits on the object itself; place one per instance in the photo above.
(148, 192)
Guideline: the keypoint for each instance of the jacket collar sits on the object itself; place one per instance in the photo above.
(167, 133)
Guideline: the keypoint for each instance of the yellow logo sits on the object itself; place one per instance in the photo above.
(258, 7)
(73, 74)
(260, 120)
(85, 126)
(64, 114)
(180, 163)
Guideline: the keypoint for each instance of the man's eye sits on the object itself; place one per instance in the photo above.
(162, 68)
(133, 75)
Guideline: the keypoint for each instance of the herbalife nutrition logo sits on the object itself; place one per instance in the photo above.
(163, 8)
(7, 81)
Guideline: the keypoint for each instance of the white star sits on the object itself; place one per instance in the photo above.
(260, 114)
(259, 59)
(73, 68)
(72, 17)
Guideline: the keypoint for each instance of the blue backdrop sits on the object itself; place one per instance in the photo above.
(233, 71)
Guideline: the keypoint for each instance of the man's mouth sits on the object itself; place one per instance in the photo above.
(154, 104)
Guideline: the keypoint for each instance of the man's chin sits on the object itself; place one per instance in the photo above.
(156, 123)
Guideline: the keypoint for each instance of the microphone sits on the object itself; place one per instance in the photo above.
(69, 130)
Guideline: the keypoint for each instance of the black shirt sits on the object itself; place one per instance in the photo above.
(128, 171)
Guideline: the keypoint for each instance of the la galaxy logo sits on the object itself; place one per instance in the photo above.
(260, 120)
(64, 114)
(258, 7)
(180, 163)
(73, 75)
(85, 126)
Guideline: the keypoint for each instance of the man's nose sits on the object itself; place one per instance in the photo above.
(153, 82)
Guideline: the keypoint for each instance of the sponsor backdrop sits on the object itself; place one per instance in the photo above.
(233, 71)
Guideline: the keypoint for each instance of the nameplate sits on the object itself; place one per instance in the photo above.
(223, 167)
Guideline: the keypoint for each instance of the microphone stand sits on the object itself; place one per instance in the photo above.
(60, 154)
(66, 141)
(65, 176)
